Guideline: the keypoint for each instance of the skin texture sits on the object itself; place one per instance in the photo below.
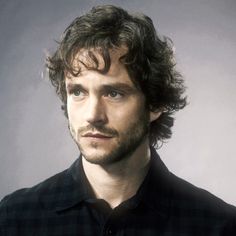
(109, 122)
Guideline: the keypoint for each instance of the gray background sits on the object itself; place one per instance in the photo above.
(34, 140)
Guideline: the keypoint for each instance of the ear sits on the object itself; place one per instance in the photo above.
(154, 115)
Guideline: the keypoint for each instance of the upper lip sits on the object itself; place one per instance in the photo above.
(96, 135)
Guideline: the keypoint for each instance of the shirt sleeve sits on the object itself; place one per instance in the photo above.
(230, 227)
(3, 216)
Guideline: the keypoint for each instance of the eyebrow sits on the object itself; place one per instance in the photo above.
(118, 86)
(72, 86)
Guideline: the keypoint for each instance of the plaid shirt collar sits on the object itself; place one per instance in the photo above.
(73, 189)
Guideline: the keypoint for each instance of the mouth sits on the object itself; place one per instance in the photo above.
(96, 136)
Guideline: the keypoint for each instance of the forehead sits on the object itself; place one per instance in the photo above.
(90, 63)
(92, 56)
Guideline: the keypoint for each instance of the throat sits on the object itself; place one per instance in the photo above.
(118, 183)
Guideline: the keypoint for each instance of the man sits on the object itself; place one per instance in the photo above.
(119, 87)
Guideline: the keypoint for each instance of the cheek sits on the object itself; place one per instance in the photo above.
(73, 114)
(126, 114)
(69, 111)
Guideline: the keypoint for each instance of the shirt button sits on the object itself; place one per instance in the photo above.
(110, 231)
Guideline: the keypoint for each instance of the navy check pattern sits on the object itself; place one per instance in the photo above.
(164, 205)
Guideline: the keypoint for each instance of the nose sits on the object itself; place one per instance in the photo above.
(95, 112)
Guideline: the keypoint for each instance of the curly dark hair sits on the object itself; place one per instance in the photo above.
(149, 60)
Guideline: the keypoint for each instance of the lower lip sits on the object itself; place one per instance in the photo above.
(98, 138)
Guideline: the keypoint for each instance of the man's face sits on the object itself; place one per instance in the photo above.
(107, 115)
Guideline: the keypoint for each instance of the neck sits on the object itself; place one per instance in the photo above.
(119, 181)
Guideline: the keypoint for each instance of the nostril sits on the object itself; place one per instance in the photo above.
(97, 123)
(97, 119)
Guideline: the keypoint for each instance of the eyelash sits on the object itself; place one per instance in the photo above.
(120, 95)
(109, 93)
(75, 91)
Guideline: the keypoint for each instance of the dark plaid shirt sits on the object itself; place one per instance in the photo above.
(164, 205)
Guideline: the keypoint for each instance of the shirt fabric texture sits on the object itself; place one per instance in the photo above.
(64, 205)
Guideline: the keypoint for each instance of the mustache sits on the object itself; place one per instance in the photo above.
(102, 129)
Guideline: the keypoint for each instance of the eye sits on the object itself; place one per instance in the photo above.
(114, 94)
(77, 94)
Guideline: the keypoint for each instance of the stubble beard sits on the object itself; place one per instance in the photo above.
(127, 142)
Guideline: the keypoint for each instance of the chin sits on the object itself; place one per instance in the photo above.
(102, 157)
(98, 159)
(95, 155)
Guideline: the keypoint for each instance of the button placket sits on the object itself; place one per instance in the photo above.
(109, 228)
(113, 222)
(109, 231)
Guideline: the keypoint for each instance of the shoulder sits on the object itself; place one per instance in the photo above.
(27, 196)
(182, 190)
(48, 192)
(191, 202)
(187, 202)
(28, 210)
(34, 200)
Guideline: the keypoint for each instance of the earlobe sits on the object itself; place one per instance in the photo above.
(155, 115)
